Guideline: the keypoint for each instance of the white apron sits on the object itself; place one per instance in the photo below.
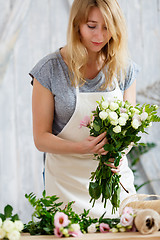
(67, 175)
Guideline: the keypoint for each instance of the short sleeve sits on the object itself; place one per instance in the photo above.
(131, 74)
(42, 71)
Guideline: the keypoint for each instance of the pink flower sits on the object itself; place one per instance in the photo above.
(57, 232)
(85, 122)
(60, 220)
(123, 110)
(126, 220)
(128, 210)
(74, 230)
(75, 233)
(104, 227)
(136, 116)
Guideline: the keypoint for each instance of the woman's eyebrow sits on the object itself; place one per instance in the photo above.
(92, 21)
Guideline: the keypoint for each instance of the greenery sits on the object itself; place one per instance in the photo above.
(134, 158)
(45, 208)
(122, 123)
(8, 214)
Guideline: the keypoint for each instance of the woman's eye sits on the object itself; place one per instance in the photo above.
(92, 27)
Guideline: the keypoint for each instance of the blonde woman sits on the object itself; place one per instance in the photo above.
(66, 86)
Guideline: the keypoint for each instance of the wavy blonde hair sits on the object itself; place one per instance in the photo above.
(114, 53)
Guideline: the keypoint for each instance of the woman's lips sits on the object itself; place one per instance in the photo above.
(97, 43)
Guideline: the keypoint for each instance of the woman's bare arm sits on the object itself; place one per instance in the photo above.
(45, 141)
(130, 94)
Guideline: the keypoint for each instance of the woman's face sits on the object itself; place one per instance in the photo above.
(94, 34)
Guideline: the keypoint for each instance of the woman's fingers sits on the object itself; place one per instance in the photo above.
(111, 160)
(98, 143)
(115, 170)
(112, 166)
(97, 139)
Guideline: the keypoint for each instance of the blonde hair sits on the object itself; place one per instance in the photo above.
(114, 53)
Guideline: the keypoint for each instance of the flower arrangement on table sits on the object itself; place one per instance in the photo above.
(122, 123)
(50, 218)
(10, 225)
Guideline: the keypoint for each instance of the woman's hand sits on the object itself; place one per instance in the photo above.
(94, 145)
(111, 165)
(125, 152)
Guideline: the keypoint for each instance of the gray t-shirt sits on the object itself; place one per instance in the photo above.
(52, 72)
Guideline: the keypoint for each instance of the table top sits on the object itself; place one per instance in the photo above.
(98, 236)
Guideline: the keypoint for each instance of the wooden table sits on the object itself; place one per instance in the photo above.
(99, 236)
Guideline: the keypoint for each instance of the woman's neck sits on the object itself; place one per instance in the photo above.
(93, 65)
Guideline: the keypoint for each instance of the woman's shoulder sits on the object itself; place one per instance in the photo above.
(132, 71)
(47, 69)
(46, 63)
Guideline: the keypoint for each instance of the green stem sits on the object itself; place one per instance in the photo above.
(124, 187)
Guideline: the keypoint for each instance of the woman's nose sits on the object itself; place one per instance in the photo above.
(99, 34)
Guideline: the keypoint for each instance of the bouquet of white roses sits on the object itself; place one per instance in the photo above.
(10, 225)
(122, 123)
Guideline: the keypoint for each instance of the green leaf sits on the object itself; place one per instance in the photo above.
(117, 159)
(145, 183)
(95, 190)
(155, 119)
(96, 126)
(8, 211)
(44, 194)
(15, 217)
(108, 147)
(2, 217)
(107, 190)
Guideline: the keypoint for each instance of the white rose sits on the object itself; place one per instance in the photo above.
(113, 116)
(2, 233)
(122, 121)
(74, 227)
(103, 115)
(136, 116)
(14, 235)
(124, 115)
(117, 129)
(113, 106)
(105, 104)
(108, 110)
(92, 228)
(18, 225)
(135, 123)
(8, 226)
(0, 222)
(144, 116)
(114, 122)
(135, 110)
